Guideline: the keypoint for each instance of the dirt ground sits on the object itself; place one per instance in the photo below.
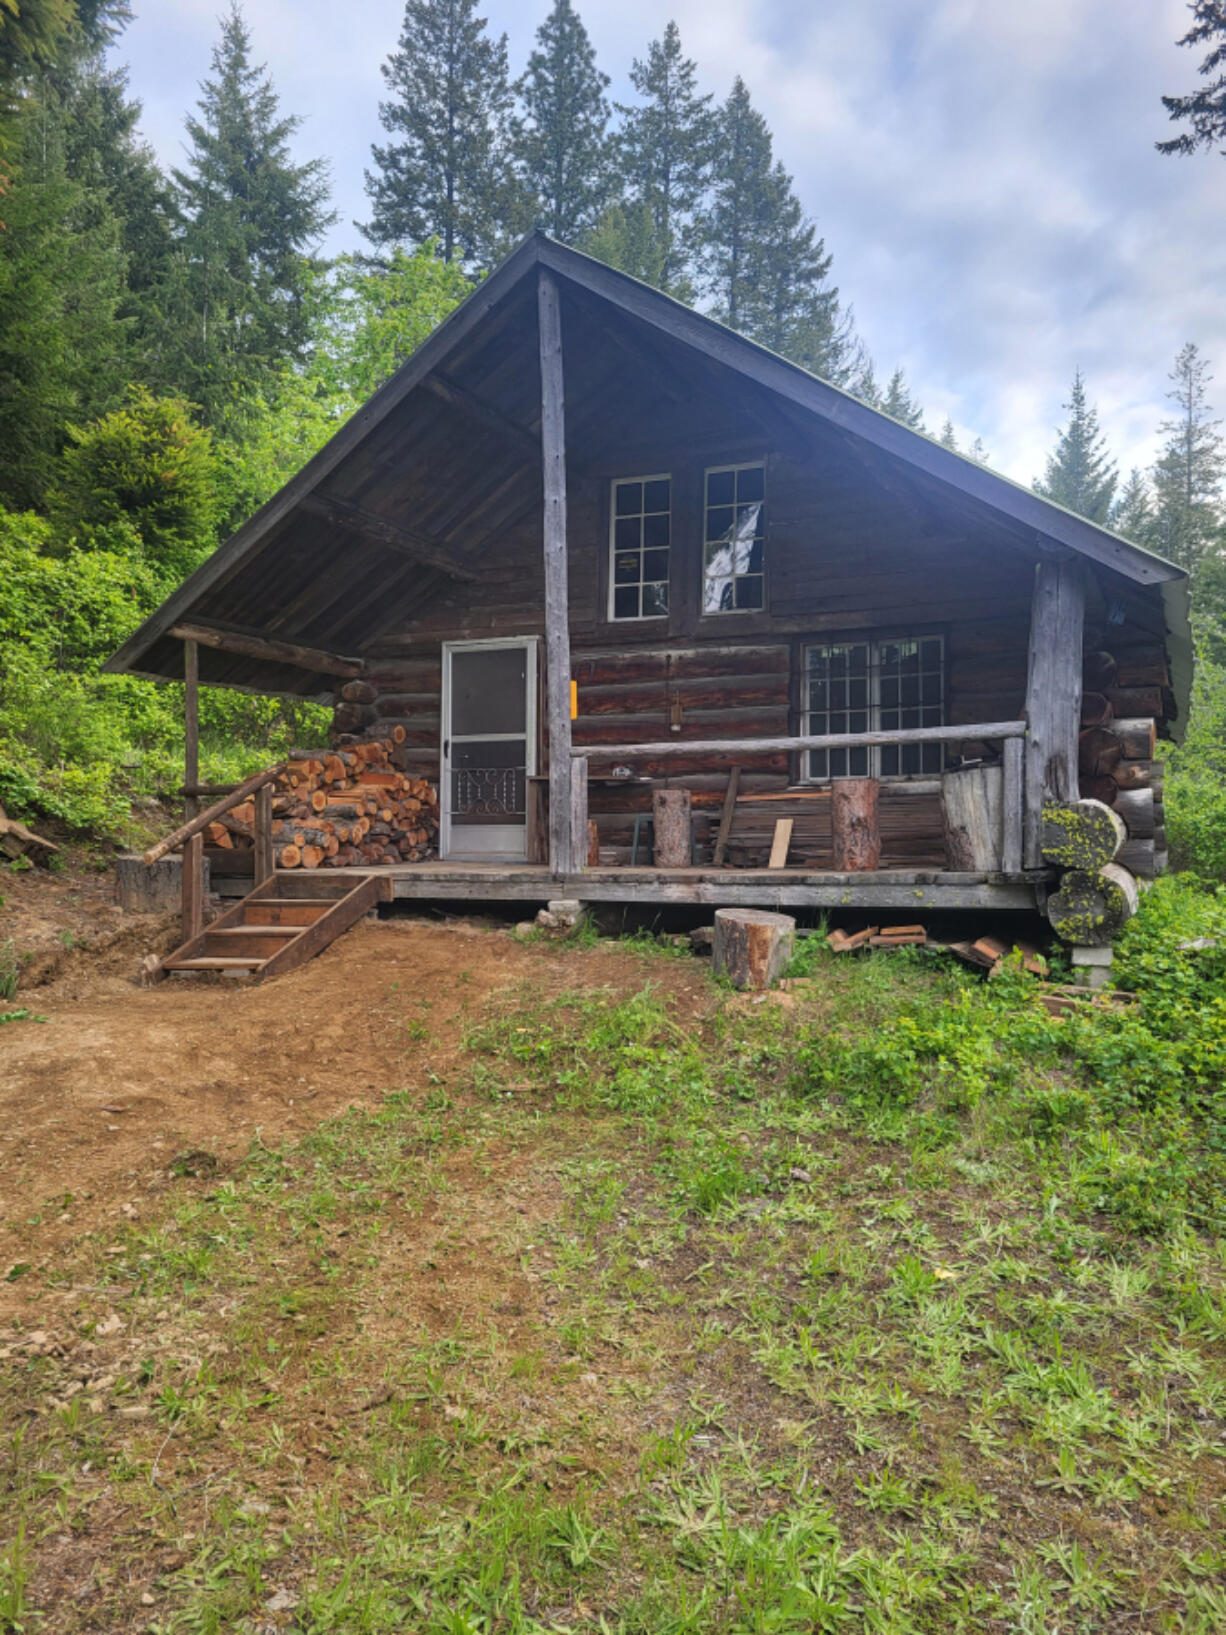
(120, 1082)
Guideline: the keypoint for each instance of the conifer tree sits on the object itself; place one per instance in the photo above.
(1205, 109)
(561, 142)
(446, 172)
(1080, 475)
(1133, 513)
(948, 438)
(626, 237)
(900, 404)
(1188, 474)
(765, 268)
(235, 304)
(665, 147)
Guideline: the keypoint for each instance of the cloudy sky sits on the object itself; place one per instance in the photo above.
(983, 172)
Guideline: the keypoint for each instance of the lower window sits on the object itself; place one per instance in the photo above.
(874, 686)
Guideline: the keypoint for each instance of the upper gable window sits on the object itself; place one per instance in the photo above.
(640, 538)
(734, 539)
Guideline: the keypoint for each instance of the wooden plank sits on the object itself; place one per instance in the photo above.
(275, 652)
(1053, 696)
(780, 842)
(484, 414)
(263, 864)
(193, 888)
(1012, 805)
(212, 813)
(725, 819)
(421, 547)
(579, 810)
(191, 726)
(557, 620)
(347, 911)
(838, 740)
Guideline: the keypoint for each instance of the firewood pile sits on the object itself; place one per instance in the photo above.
(340, 809)
(1126, 695)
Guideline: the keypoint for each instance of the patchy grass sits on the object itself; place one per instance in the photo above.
(785, 1316)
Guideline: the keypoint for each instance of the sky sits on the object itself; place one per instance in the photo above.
(982, 171)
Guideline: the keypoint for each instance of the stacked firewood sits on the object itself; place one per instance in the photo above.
(1125, 696)
(338, 809)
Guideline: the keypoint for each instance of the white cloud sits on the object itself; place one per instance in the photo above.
(983, 172)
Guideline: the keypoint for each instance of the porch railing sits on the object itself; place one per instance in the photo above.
(1009, 734)
(190, 836)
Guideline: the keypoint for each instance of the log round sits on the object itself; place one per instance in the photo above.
(855, 831)
(1098, 670)
(670, 810)
(1096, 710)
(1099, 750)
(752, 948)
(971, 818)
(1136, 807)
(1092, 907)
(1138, 736)
(1103, 789)
(1084, 834)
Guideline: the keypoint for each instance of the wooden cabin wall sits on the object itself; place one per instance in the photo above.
(844, 559)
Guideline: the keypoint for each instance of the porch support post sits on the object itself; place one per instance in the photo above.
(557, 618)
(192, 912)
(1053, 695)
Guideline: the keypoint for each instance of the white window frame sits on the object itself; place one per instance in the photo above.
(638, 618)
(724, 612)
(872, 709)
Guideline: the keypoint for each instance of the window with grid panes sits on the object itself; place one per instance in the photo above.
(874, 686)
(734, 539)
(640, 529)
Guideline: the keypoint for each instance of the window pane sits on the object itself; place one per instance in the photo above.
(721, 487)
(628, 499)
(626, 603)
(627, 533)
(655, 530)
(817, 693)
(655, 495)
(655, 564)
(717, 596)
(719, 522)
(750, 483)
(488, 690)
(930, 687)
(749, 593)
(655, 599)
(626, 568)
(888, 764)
(857, 760)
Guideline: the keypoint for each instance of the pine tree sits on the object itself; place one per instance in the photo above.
(561, 143)
(665, 148)
(627, 237)
(446, 173)
(62, 341)
(948, 438)
(1188, 474)
(1205, 109)
(1133, 512)
(1080, 475)
(765, 269)
(899, 403)
(234, 306)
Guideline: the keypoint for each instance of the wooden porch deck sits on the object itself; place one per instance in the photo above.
(717, 888)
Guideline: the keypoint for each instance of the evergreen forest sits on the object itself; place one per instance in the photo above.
(174, 344)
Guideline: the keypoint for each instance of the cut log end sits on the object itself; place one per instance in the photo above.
(1084, 834)
(752, 948)
(1091, 908)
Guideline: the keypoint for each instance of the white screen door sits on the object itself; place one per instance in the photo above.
(489, 749)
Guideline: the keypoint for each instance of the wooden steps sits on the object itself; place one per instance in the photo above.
(280, 925)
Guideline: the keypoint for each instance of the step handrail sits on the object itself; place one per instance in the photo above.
(201, 821)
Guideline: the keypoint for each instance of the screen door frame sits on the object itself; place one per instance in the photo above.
(513, 837)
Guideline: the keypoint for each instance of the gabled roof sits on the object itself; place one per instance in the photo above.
(1048, 525)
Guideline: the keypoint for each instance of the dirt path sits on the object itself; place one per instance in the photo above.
(97, 1102)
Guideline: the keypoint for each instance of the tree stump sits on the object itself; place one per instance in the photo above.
(1083, 834)
(854, 831)
(1092, 908)
(971, 806)
(670, 811)
(751, 947)
(151, 888)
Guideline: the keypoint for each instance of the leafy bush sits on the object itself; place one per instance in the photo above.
(1196, 778)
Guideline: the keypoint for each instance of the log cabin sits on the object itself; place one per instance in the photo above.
(663, 618)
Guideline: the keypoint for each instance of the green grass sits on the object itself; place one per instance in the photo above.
(663, 1315)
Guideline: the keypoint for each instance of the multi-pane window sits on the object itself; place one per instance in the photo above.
(874, 686)
(734, 538)
(640, 538)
